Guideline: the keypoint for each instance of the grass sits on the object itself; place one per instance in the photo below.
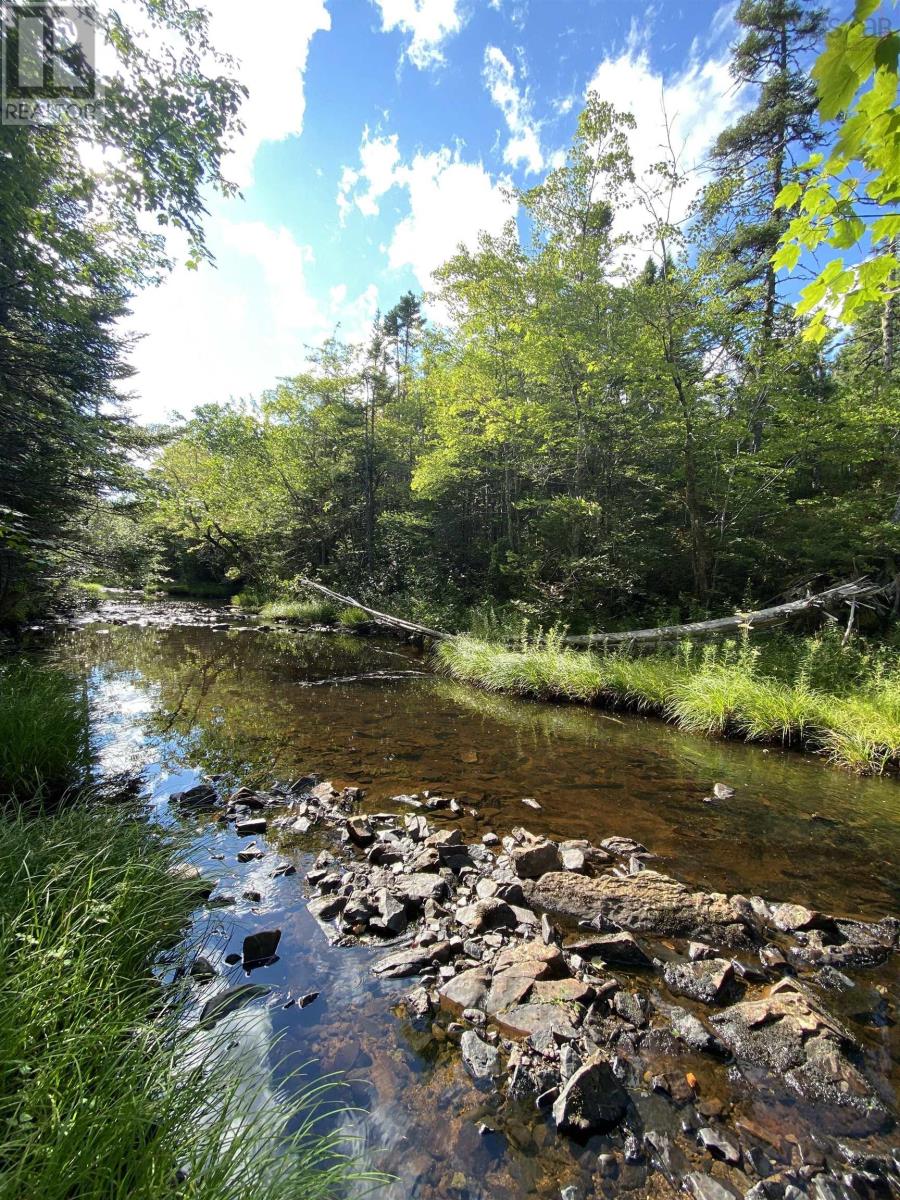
(353, 618)
(44, 740)
(300, 612)
(843, 702)
(107, 1088)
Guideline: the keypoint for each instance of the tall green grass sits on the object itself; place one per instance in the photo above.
(44, 740)
(843, 702)
(301, 612)
(102, 1094)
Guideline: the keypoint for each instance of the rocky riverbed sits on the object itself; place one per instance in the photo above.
(725, 1045)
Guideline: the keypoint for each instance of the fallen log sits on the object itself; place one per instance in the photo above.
(380, 617)
(760, 619)
(844, 593)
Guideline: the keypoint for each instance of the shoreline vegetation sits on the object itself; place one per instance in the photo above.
(811, 693)
(107, 1088)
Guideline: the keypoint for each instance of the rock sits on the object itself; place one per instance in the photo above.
(485, 915)
(307, 999)
(230, 1001)
(202, 968)
(252, 895)
(532, 803)
(787, 1033)
(592, 1100)
(284, 869)
(466, 990)
(428, 860)
(535, 858)
(517, 968)
(251, 826)
(259, 948)
(700, 950)
(326, 908)
(719, 1145)
(792, 917)
(412, 960)
(705, 1187)
(200, 796)
(359, 831)
(573, 858)
(629, 1008)
(249, 854)
(418, 1004)
(418, 887)
(391, 917)
(526, 1019)
(708, 980)
(480, 1059)
(691, 1030)
(490, 839)
(623, 846)
(559, 991)
(619, 949)
(722, 791)
(648, 902)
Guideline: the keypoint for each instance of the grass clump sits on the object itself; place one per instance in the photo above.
(841, 701)
(44, 738)
(353, 618)
(299, 612)
(101, 1093)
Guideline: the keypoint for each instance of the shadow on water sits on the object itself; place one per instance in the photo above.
(183, 701)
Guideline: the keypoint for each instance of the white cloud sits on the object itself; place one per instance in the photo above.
(378, 162)
(217, 334)
(428, 22)
(524, 145)
(450, 201)
(270, 46)
(698, 102)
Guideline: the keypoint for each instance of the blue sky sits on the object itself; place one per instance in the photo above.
(380, 134)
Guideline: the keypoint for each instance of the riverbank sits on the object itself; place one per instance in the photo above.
(108, 1087)
(787, 696)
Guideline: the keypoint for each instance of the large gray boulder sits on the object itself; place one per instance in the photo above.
(648, 902)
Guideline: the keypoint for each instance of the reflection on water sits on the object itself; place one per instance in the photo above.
(239, 704)
(183, 701)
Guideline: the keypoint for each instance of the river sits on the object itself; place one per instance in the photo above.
(181, 692)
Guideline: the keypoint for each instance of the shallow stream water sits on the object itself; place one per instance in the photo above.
(181, 698)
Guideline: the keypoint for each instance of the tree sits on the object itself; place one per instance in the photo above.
(755, 156)
(72, 252)
(846, 197)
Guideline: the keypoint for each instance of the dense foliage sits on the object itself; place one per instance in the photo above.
(76, 240)
(618, 415)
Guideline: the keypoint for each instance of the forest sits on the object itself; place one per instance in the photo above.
(615, 414)
(656, 396)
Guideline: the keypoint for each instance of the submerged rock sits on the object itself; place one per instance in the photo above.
(788, 1034)
(230, 1001)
